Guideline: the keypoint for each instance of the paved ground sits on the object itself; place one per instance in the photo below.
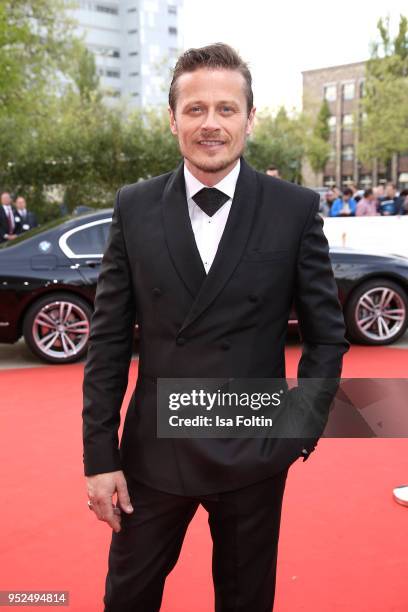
(19, 356)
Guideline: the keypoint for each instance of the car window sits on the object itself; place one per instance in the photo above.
(90, 240)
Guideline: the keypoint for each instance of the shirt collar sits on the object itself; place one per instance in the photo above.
(226, 185)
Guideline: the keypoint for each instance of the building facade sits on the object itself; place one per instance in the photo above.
(343, 87)
(135, 44)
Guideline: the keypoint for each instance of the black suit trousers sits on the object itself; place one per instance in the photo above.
(244, 525)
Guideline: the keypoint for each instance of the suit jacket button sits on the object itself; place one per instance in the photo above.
(180, 341)
(157, 292)
(252, 297)
(225, 345)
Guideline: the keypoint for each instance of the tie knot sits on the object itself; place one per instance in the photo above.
(210, 199)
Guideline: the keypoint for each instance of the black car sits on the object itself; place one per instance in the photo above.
(48, 279)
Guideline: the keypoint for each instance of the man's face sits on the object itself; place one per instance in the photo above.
(5, 199)
(211, 118)
(20, 203)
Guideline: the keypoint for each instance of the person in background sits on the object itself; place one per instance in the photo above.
(391, 203)
(326, 203)
(367, 206)
(28, 218)
(404, 206)
(344, 206)
(273, 171)
(330, 198)
(379, 191)
(356, 193)
(9, 220)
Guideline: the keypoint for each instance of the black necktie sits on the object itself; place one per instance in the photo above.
(210, 200)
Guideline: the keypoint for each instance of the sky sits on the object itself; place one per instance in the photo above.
(280, 39)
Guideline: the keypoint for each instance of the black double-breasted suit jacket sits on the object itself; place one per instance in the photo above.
(229, 323)
(27, 221)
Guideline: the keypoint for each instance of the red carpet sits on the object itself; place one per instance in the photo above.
(342, 539)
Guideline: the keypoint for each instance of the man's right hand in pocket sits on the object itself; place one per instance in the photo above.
(101, 489)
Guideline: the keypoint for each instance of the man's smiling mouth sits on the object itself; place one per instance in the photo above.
(211, 143)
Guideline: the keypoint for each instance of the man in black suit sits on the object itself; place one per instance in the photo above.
(9, 220)
(209, 258)
(28, 219)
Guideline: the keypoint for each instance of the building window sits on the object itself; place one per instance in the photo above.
(366, 181)
(133, 74)
(346, 180)
(104, 8)
(330, 93)
(332, 123)
(113, 73)
(132, 10)
(348, 122)
(135, 94)
(362, 89)
(172, 9)
(348, 91)
(105, 52)
(133, 53)
(113, 93)
(328, 181)
(347, 153)
(132, 31)
(172, 30)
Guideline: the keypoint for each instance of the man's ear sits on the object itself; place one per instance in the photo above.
(250, 121)
(173, 125)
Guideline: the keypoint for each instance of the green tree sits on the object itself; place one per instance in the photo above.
(85, 76)
(317, 143)
(36, 43)
(384, 117)
(278, 139)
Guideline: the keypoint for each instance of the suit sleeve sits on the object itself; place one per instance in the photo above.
(109, 354)
(322, 328)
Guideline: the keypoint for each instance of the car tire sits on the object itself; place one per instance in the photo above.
(377, 312)
(56, 328)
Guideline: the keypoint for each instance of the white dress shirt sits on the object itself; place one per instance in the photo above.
(208, 230)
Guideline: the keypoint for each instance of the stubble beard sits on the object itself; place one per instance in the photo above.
(215, 166)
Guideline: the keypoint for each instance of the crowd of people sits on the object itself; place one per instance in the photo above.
(351, 202)
(383, 200)
(14, 217)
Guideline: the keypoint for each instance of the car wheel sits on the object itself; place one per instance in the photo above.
(377, 312)
(56, 328)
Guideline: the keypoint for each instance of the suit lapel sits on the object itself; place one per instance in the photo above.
(179, 233)
(232, 244)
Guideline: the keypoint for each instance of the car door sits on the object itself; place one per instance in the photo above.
(85, 245)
